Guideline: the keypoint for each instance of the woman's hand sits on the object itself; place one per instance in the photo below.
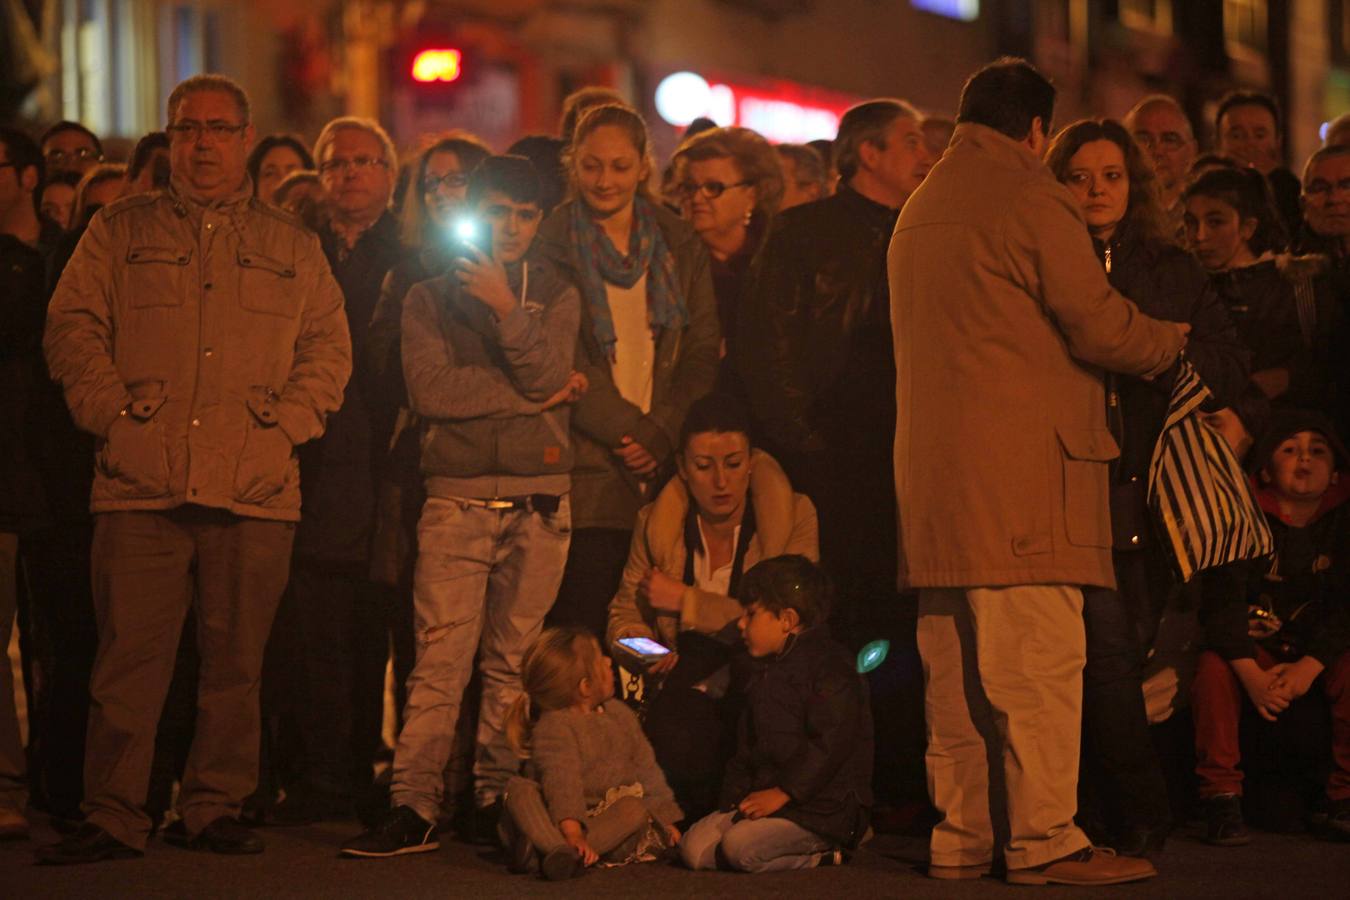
(636, 457)
(1294, 679)
(570, 392)
(663, 664)
(661, 591)
(763, 803)
(1259, 685)
(575, 836)
(484, 279)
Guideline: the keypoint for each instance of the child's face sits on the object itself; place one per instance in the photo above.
(601, 685)
(764, 631)
(1302, 467)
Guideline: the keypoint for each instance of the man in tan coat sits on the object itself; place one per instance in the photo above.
(199, 336)
(1003, 322)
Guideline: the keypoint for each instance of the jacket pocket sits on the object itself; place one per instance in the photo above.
(146, 263)
(1087, 514)
(266, 458)
(134, 458)
(267, 284)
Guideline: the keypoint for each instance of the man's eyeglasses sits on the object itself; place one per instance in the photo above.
(452, 180)
(80, 153)
(193, 131)
(1319, 186)
(710, 189)
(356, 163)
(1168, 140)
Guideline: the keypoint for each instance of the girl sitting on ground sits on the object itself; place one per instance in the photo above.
(596, 793)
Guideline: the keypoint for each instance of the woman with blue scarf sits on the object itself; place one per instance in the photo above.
(649, 346)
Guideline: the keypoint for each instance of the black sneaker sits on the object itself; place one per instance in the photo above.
(1223, 821)
(401, 831)
(1338, 820)
(561, 864)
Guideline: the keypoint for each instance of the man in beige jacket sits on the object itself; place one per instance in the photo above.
(199, 336)
(1003, 322)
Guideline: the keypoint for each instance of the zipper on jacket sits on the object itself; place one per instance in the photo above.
(1108, 259)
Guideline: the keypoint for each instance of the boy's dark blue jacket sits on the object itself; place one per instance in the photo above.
(1306, 584)
(807, 729)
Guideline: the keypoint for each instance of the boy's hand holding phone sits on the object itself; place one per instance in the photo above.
(484, 279)
(763, 803)
(575, 836)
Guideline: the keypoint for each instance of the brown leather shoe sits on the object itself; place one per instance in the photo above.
(1091, 865)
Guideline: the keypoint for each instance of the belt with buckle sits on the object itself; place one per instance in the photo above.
(540, 503)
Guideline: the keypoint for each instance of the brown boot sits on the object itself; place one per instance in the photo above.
(1091, 865)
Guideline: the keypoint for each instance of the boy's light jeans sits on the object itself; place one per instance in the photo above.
(770, 844)
(484, 581)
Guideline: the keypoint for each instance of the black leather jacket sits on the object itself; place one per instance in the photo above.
(815, 343)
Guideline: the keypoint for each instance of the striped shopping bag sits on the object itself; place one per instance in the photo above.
(1197, 490)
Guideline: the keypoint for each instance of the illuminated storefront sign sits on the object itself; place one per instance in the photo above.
(436, 65)
(965, 10)
(784, 113)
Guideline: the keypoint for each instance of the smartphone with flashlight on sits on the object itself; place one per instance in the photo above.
(640, 650)
(467, 235)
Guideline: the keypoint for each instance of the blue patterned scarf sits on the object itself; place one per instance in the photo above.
(601, 263)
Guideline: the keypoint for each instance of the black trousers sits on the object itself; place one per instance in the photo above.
(333, 632)
(1119, 763)
(595, 562)
(55, 578)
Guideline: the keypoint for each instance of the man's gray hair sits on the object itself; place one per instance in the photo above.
(1321, 155)
(359, 123)
(1159, 100)
(866, 123)
(210, 82)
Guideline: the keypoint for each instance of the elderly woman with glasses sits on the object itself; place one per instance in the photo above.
(729, 183)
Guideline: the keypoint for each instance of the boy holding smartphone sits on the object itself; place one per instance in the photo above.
(487, 355)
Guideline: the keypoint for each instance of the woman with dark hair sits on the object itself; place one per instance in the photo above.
(272, 159)
(648, 345)
(730, 507)
(730, 184)
(1282, 305)
(1115, 186)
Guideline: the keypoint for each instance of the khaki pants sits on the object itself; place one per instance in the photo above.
(1003, 678)
(147, 568)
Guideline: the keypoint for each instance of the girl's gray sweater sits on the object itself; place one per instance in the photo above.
(579, 756)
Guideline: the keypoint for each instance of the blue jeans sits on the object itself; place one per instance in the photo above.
(484, 581)
(751, 845)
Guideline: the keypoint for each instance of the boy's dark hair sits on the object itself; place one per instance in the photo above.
(514, 176)
(1286, 423)
(720, 413)
(546, 154)
(159, 140)
(1248, 192)
(789, 582)
(1007, 95)
(23, 151)
(1234, 99)
(67, 125)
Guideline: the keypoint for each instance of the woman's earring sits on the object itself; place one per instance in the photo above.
(748, 214)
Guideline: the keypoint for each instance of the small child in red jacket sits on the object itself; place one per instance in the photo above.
(1276, 628)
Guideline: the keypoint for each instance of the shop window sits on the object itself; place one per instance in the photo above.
(1244, 25)
(1147, 15)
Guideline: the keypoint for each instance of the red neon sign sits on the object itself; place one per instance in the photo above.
(434, 65)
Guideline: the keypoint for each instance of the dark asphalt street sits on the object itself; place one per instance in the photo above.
(303, 863)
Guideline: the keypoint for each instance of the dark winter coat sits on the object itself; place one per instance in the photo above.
(814, 342)
(1306, 585)
(1264, 301)
(338, 471)
(23, 310)
(807, 730)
